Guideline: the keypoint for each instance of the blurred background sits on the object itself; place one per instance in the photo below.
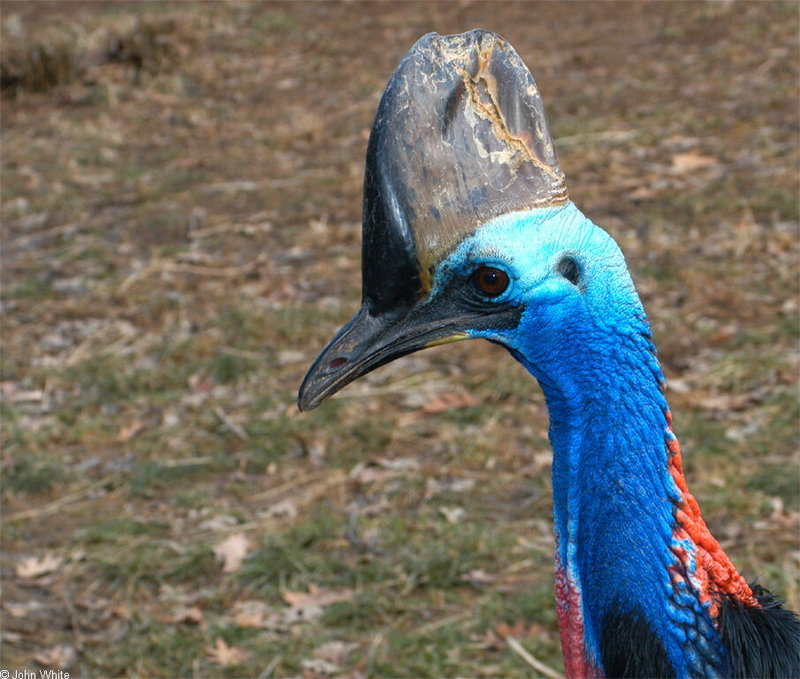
(181, 197)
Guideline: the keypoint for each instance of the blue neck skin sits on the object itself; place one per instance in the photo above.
(589, 347)
(611, 486)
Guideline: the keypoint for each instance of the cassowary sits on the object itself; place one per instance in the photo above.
(468, 232)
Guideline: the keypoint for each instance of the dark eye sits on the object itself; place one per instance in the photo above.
(569, 269)
(490, 281)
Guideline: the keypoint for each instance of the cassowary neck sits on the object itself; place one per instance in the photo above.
(634, 558)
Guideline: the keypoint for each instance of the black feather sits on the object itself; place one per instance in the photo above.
(760, 642)
(630, 649)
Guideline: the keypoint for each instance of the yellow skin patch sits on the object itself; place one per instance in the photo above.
(455, 337)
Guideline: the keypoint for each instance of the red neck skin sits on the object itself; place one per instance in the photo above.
(714, 574)
(569, 608)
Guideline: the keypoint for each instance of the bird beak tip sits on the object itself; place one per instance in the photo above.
(367, 342)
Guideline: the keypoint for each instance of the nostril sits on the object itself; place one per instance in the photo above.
(337, 363)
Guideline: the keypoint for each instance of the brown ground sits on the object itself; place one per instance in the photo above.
(181, 207)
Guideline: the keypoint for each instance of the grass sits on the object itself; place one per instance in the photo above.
(180, 223)
(33, 474)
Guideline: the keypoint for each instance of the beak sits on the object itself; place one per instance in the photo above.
(368, 341)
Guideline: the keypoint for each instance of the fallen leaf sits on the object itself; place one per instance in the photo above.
(642, 193)
(253, 613)
(9, 391)
(185, 614)
(444, 402)
(457, 485)
(299, 614)
(291, 356)
(58, 657)
(231, 551)
(461, 485)
(128, 431)
(92, 180)
(34, 567)
(21, 609)
(219, 522)
(225, 655)
(382, 467)
(722, 402)
(503, 629)
(317, 596)
(520, 630)
(678, 385)
(286, 508)
(452, 514)
(319, 666)
(683, 163)
(479, 577)
(397, 463)
(123, 612)
(367, 473)
(490, 640)
(334, 651)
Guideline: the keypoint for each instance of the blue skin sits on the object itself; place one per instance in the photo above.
(589, 347)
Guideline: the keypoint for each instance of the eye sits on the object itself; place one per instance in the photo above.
(490, 281)
(569, 269)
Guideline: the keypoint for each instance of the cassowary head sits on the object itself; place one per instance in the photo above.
(468, 230)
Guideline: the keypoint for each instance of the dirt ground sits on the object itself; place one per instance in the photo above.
(181, 196)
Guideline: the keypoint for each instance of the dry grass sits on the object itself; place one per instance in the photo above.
(38, 57)
(181, 206)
